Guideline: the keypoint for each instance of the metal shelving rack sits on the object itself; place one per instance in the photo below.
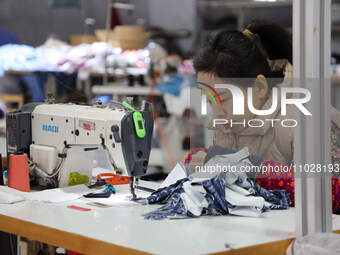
(118, 4)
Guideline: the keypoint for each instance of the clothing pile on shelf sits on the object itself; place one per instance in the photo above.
(60, 57)
(19, 57)
(221, 187)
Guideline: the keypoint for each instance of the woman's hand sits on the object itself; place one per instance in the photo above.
(197, 160)
(278, 64)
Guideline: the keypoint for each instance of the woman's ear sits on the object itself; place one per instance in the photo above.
(261, 86)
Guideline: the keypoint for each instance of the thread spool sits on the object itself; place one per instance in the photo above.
(18, 177)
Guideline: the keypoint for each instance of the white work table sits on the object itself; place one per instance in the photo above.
(122, 228)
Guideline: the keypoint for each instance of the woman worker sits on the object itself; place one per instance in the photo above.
(259, 57)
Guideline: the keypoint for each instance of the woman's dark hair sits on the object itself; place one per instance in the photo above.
(232, 54)
(276, 40)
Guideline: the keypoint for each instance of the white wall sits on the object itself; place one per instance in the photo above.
(33, 20)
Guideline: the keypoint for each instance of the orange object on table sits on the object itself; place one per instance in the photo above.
(18, 177)
(73, 253)
(113, 179)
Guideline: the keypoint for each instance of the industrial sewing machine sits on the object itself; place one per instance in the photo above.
(49, 131)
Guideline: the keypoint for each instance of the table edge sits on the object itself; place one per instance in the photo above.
(60, 238)
(87, 245)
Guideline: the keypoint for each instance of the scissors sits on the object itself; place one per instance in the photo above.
(113, 179)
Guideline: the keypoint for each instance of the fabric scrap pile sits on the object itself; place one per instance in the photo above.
(217, 193)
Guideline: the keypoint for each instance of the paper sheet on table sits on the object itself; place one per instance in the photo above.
(9, 195)
(12, 192)
(59, 195)
(50, 195)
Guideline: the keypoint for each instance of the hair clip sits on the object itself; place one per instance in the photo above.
(248, 33)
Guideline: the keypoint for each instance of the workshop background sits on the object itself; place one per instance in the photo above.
(95, 51)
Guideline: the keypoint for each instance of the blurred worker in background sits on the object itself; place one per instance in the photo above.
(259, 57)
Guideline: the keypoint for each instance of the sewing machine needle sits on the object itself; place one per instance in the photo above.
(132, 188)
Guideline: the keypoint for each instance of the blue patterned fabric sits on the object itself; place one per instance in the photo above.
(171, 196)
(215, 195)
(174, 206)
(279, 198)
(162, 195)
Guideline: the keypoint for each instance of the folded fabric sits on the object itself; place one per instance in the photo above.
(244, 205)
(238, 199)
(237, 179)
(220, 187)
(163, 194)
(234, 165)
(219, 150)
(239, 189)
(278, 180)
(195, 197)
(175, 207)
(247, 211)
(278, 198)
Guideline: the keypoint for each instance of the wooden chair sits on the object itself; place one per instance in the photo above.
(12, 101)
